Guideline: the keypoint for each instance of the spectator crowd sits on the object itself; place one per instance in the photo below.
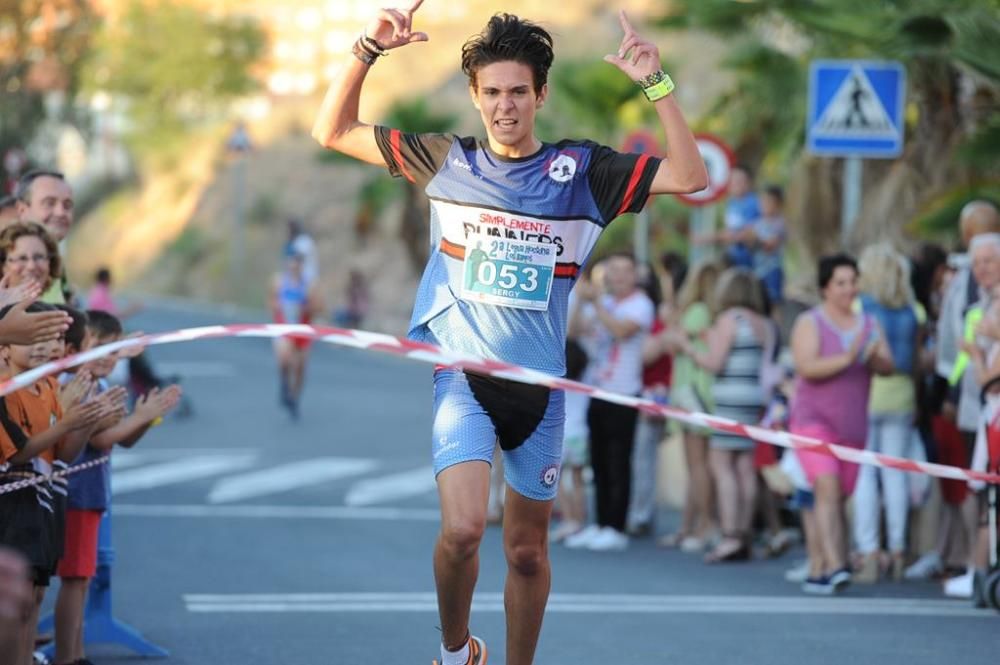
(898, 356)
(50, 528)
(893, 358)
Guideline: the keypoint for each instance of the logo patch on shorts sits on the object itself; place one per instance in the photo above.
(550, 475)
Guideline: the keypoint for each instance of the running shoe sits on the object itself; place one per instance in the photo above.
(477, 652)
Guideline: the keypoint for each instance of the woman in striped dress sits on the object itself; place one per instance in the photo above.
(736, 344)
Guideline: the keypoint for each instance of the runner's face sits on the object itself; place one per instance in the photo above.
(51, 206)
(506, 100)
(842, 288)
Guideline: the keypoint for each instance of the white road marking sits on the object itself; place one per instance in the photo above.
(123, 461)
(394, 486)
(178, 471)
(201, 369)
(285, 477)
(582, 603)
(279, 512)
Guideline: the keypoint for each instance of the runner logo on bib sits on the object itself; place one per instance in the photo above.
(507, 272)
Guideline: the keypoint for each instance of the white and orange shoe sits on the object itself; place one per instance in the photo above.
(477, 652)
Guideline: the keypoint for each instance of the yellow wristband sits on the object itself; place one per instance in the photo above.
(659, 90)
(156, 421)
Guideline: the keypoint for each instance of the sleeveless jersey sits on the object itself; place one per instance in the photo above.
(292, 300)
(508, 237)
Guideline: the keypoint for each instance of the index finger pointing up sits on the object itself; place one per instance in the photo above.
(626, 26)
(415, 5)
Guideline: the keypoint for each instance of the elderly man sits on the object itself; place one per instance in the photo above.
(967, 297)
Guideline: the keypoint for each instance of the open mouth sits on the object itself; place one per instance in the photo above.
(505, 123)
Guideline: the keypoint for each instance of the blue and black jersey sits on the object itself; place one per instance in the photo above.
(555, 203)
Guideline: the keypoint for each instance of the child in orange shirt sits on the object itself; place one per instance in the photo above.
(88, 490)
(38, 433)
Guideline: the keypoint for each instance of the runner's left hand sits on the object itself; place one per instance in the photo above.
(636, 56)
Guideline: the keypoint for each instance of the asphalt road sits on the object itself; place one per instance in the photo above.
(243, 537)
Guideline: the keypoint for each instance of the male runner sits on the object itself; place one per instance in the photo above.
(536, 209)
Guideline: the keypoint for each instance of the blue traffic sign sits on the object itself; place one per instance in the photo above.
(855, 108)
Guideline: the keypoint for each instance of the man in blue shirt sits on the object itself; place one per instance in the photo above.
(536, 210)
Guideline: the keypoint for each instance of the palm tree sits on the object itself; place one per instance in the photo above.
(951, 50)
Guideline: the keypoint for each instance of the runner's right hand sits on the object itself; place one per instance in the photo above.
(391, 27)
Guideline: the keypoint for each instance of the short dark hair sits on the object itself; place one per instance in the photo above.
(7, 202)
(77, 330)
(507, 37)
(22, 192)
(102, 324)
(103, 276)
(39, 306)
(829, 264)
(775, 192)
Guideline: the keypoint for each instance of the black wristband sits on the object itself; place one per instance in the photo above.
(363, 54)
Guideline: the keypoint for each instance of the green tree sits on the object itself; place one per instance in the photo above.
(43, 44)
(175, 65)
(950, 48)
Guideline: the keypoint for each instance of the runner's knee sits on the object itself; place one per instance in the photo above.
(461, 539)
(526, 558)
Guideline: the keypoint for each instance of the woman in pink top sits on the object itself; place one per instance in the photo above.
(836, 350)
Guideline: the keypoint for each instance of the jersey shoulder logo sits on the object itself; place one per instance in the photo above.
(562, 168)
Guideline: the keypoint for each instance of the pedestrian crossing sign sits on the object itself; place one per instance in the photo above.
(855, 108)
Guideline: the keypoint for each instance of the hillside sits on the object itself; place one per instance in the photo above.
(173, 234)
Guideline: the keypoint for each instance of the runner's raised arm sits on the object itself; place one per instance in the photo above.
(683, 169)
(337, 127)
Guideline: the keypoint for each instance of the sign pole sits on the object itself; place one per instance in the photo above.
(851, 202)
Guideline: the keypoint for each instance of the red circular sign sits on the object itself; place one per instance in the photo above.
(719, 162)
(642, 141)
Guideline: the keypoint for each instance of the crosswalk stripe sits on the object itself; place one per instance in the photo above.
(394, 486)
(178, 471)
(127, 461)
(286, 477)
(199, 369)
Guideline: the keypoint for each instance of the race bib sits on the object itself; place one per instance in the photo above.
(509, 273)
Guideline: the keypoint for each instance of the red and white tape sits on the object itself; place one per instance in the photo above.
(429, 353)
(39, 479)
